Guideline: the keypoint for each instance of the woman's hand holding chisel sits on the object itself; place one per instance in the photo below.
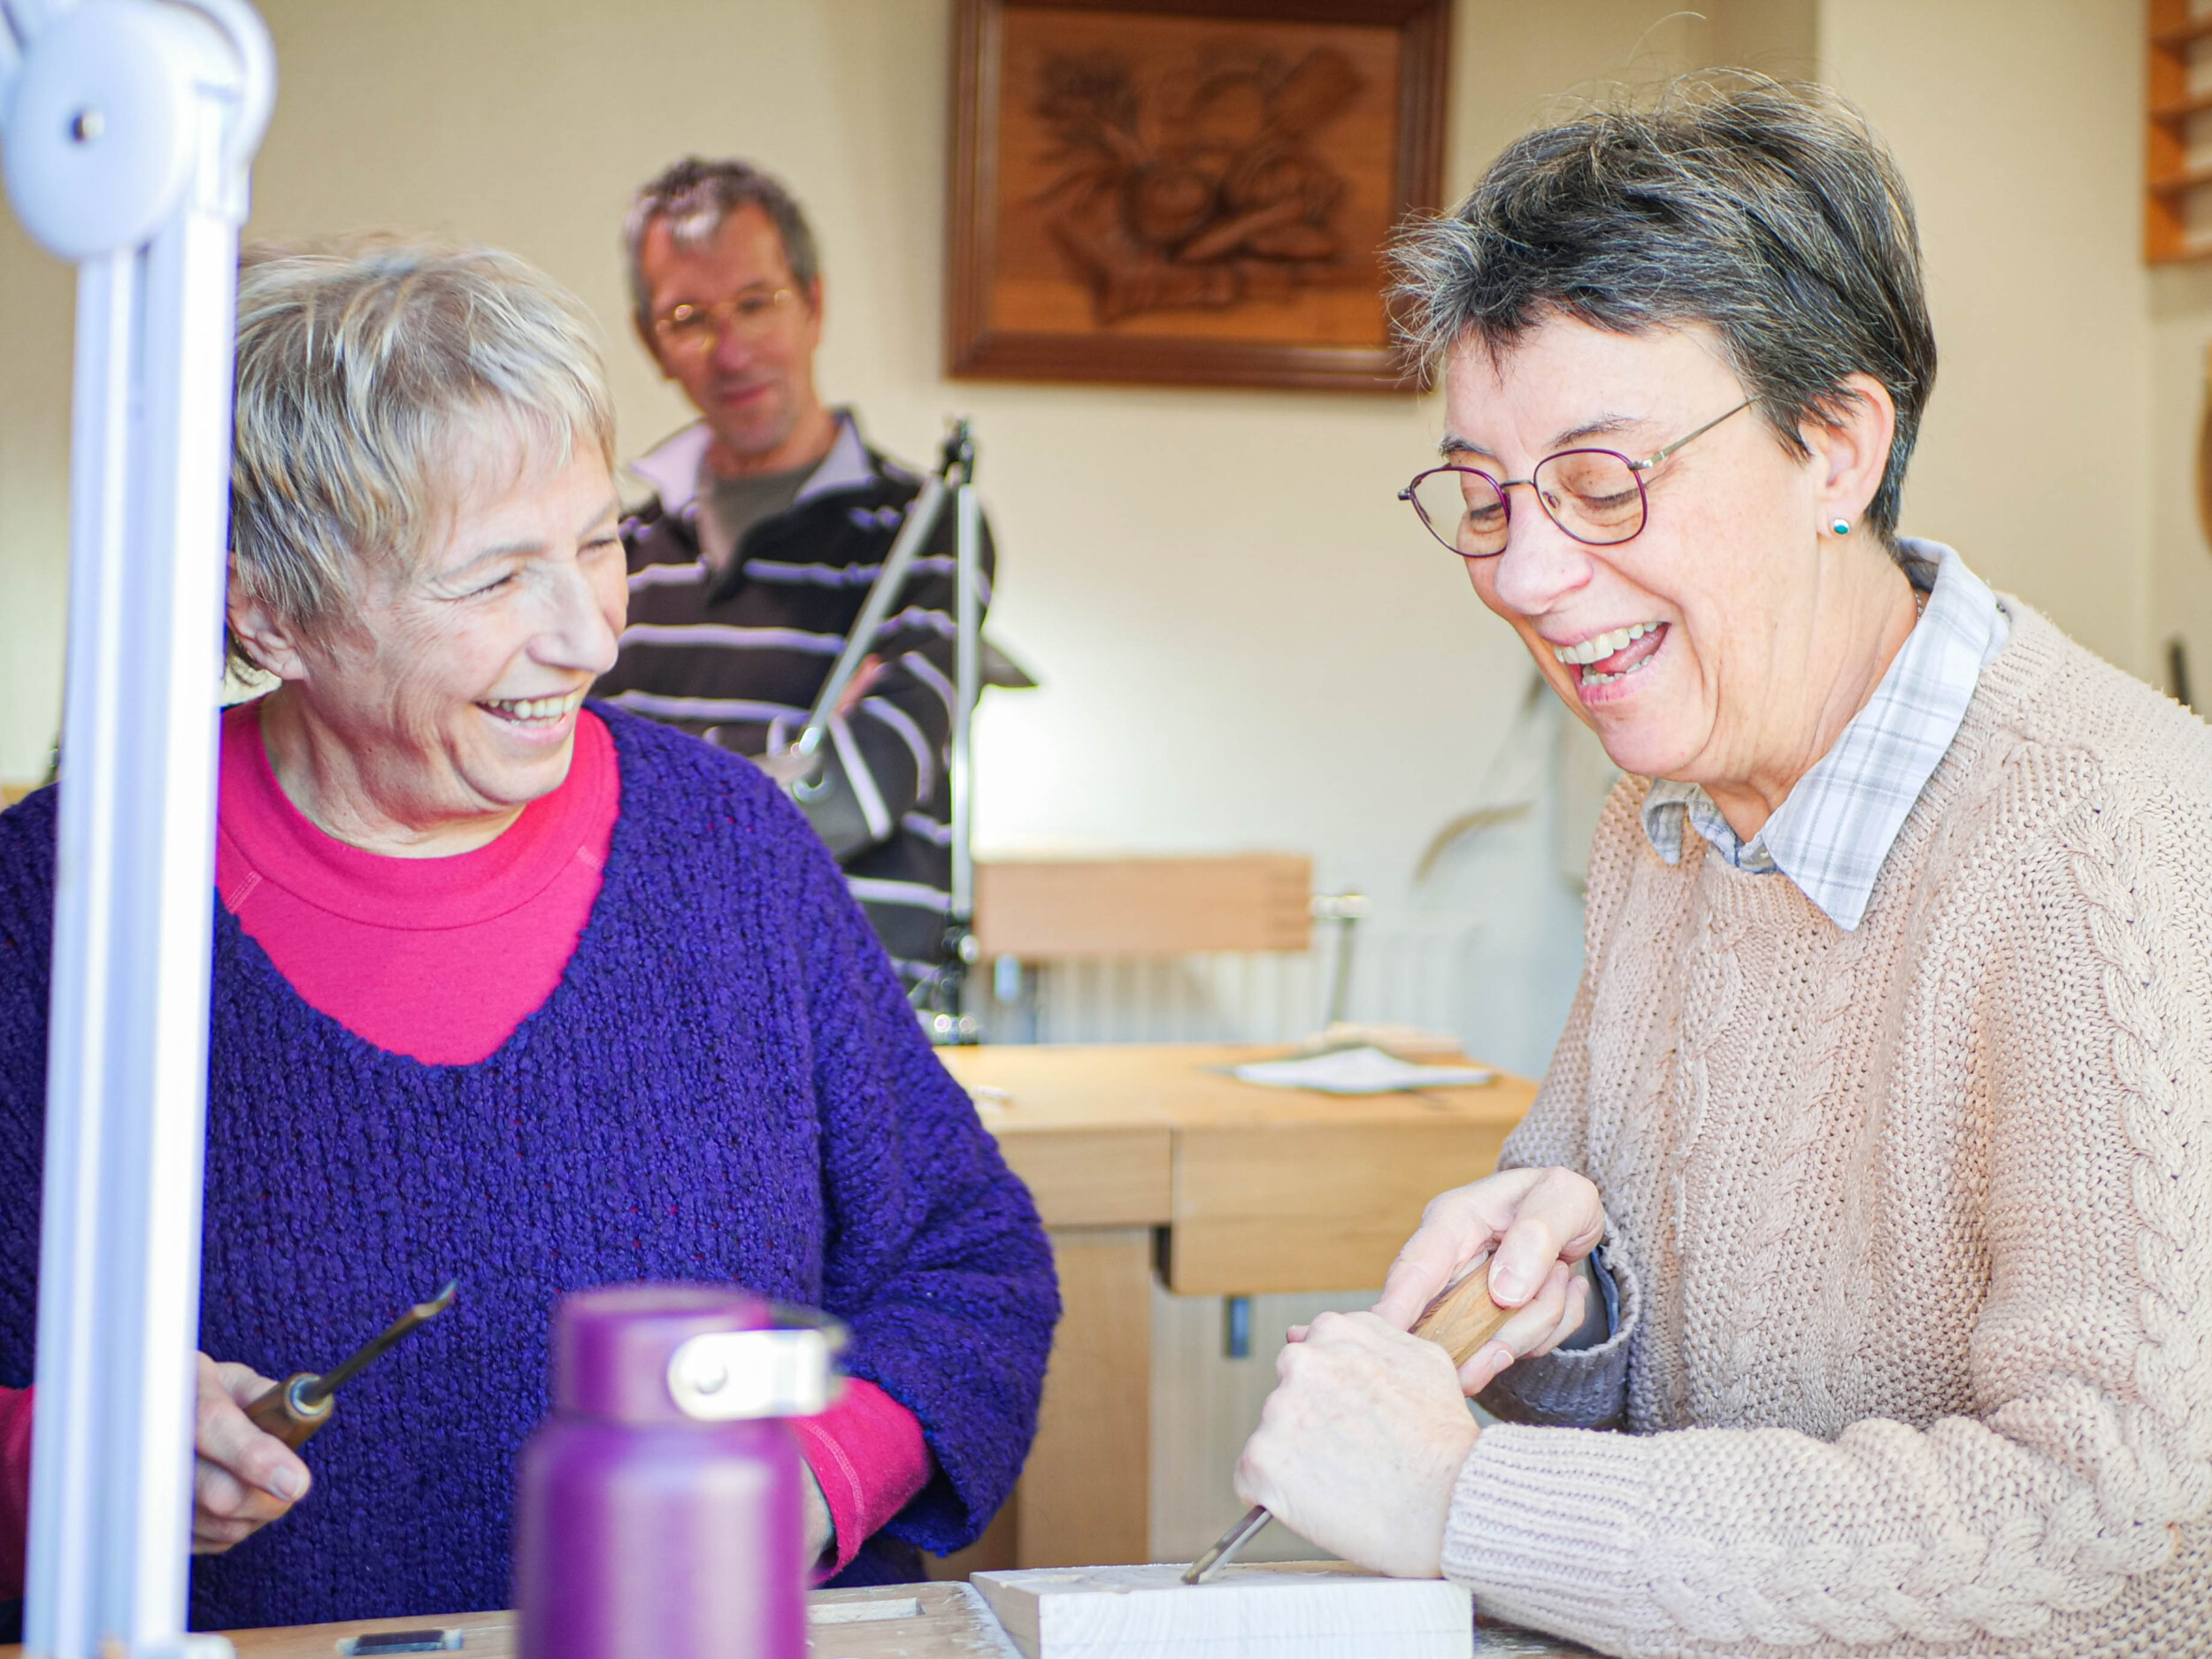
(241, 1478)
(1360, 1445)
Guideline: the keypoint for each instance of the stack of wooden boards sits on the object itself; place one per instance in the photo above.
(1302, 1610)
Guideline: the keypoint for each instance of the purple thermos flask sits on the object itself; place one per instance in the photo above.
(659, 1507)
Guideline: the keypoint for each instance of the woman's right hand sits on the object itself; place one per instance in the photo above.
(1536, 1226)
(242, 1478)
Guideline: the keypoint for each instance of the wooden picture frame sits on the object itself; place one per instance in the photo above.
(1187, 192)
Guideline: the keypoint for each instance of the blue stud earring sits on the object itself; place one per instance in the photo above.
(1841, 526)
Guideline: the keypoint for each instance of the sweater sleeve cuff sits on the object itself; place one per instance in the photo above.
(869, 1455)
(1585, 1388)
(15, 1488)
(1544, 1525)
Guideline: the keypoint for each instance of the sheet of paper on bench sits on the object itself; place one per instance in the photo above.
(1366, 1070)
(1303, 1610)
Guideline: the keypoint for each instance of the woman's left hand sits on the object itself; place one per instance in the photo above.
(1360, 1444)
(1536, 1226)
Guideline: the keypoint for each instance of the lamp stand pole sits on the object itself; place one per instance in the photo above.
(130, 128)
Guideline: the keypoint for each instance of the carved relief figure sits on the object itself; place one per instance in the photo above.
(1202, 186)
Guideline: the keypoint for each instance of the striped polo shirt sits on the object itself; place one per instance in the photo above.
(737, 655)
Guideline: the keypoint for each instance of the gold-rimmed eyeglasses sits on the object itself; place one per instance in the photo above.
(1594, 495)
(696, 329)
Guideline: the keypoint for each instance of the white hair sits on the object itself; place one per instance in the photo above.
(361, 367)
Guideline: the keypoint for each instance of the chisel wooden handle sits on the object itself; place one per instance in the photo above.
(1463, 1317)
(283, 1411)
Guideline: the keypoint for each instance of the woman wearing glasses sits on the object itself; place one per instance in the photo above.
(1861, 1232)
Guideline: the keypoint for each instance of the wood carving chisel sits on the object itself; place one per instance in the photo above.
(1460, 1319)
(295, 1408)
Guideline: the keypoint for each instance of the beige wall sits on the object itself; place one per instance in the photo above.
(1243, 639)
(2019, 125)
(2181, 567)
(34, 335)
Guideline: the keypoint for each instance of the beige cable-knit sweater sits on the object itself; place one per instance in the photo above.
(1913, 1225)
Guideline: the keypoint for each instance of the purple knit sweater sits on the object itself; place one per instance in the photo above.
(726, 1085)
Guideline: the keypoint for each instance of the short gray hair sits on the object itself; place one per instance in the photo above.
(1770, 212)
(694, 196)
(359, 366)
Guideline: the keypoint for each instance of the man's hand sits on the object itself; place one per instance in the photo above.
(1535, 1226)
(1360, 1444)
(242, 1478)
(863, 681)
(788, 766)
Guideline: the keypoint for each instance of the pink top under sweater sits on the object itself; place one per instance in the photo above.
(436, 958)
(441, 959)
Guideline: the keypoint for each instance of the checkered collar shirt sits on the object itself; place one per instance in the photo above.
(1832, 832)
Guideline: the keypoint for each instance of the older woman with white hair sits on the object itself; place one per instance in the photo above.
(514, 988)
(1862, 1231)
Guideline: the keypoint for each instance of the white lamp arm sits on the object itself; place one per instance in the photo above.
(98, 124)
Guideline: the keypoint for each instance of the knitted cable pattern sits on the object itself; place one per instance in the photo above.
(2157, 1040)
(1966, 1581)
(1705, 1017)
(1983, 1338)
(1799, 1128)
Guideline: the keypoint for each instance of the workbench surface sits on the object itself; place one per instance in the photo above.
(897, 1621)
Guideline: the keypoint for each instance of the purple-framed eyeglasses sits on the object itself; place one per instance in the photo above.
(1594, 495)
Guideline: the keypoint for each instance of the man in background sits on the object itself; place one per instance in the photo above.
(771, 521)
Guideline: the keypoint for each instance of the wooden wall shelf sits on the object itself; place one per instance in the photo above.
(2173, 114)
(2181, 34)
(2188, 179)
(2172, 182)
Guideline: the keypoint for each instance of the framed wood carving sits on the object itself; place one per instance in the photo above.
(1187, 191)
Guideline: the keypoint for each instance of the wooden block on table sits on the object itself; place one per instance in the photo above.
(1303, 1610)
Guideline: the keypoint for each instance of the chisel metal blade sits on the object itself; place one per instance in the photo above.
(1226, 1551)
(416, 1316)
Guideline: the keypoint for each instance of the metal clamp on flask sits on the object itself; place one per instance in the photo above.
(785, 1371)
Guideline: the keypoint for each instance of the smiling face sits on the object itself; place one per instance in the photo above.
(1701, 649)
(756, 389)
(448, 700)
